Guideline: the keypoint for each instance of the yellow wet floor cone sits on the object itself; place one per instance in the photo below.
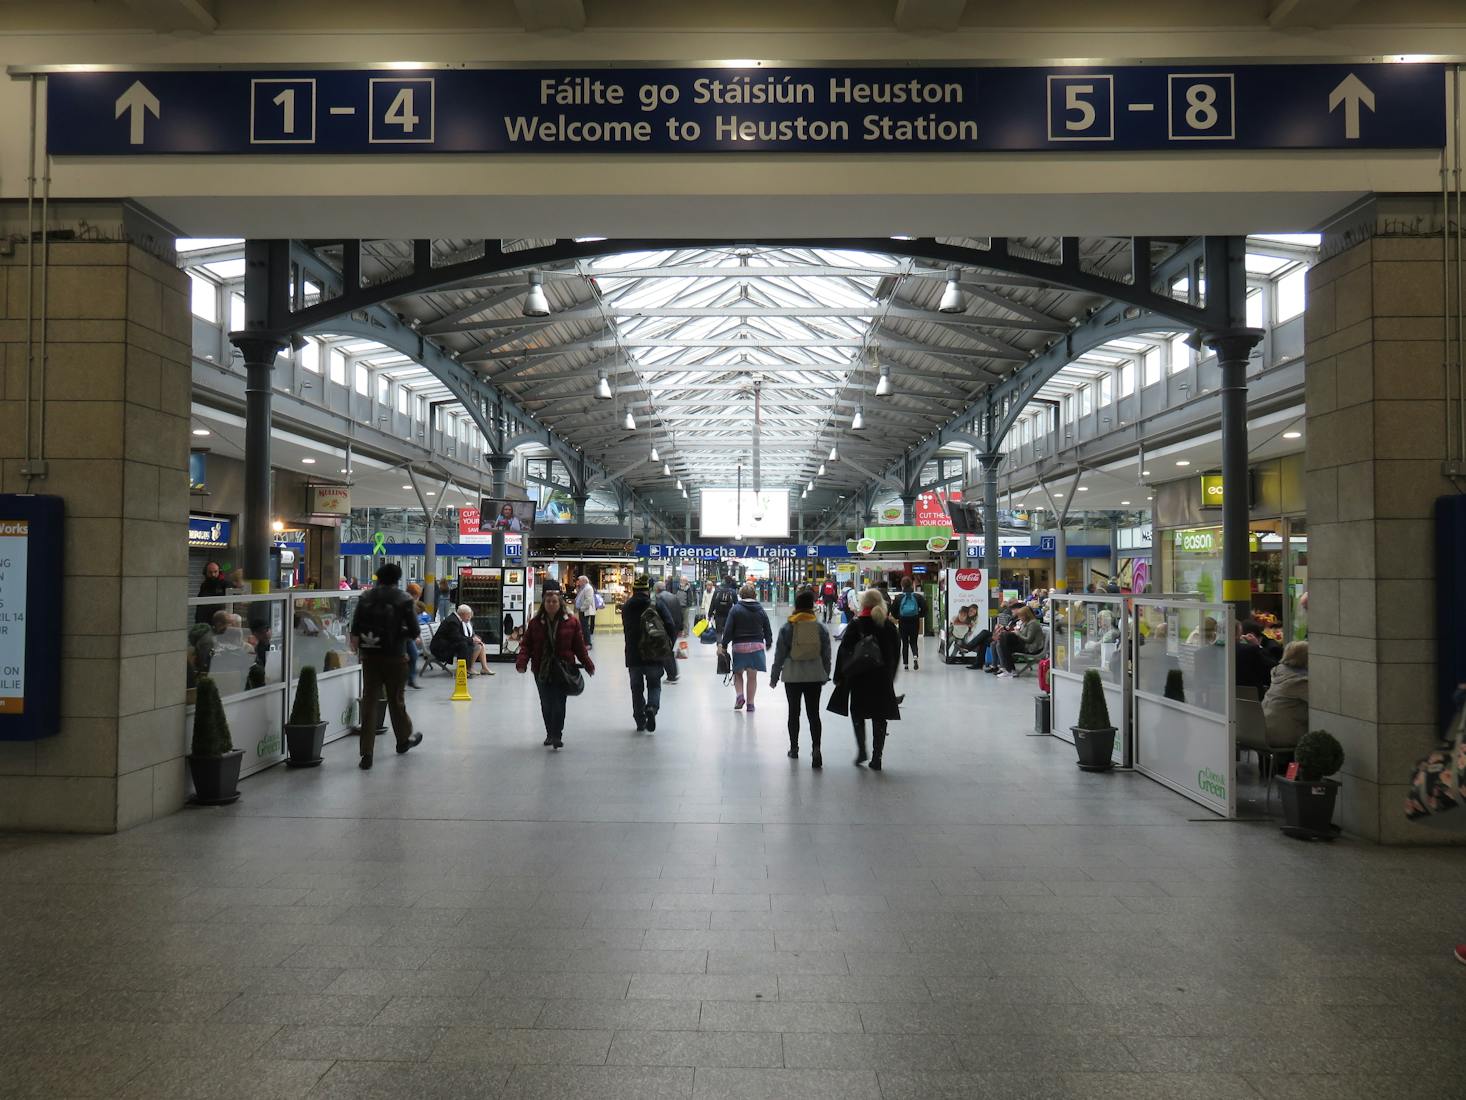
(460, 684)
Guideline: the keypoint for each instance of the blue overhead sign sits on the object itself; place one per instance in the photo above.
(753, 108)
(704, 552)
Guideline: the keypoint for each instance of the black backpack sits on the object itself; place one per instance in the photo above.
(654, 644)
(380, 621)
(721, 604)
(865, 659)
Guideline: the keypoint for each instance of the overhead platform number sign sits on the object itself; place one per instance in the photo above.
(751, 108)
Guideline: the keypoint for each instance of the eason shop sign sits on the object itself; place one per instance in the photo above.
(1198, 542)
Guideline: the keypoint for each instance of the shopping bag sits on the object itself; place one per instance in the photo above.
(682, 649)
(699, 626)
(725, 662)
(1439, 781)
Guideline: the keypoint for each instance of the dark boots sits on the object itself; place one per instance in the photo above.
(794, 745)
(875, 757)
(860, 753)
(815, 759)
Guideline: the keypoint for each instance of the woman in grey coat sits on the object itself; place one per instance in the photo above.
(1285, 706)
(802, 658)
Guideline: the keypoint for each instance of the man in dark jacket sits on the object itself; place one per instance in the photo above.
(670, 606)
(724, 597)
(385, 618)
(645, 654)
(1254, 666)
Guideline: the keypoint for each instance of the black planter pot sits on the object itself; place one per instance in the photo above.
(215, 778)
(1096, 748)
(1308, 808)
(303, 743)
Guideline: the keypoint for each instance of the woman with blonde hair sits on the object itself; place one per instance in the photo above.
(1285, 706)
(865, 675)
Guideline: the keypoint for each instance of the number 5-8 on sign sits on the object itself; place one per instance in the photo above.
(1082, 107)
(1201, 106)
(402, 110)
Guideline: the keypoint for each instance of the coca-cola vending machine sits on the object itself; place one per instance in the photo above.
(965, 608)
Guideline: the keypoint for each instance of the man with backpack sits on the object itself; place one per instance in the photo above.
(649, 631)
(722, 601)
(670, 605)
(828, 593)
(910, 608)
(385, 618)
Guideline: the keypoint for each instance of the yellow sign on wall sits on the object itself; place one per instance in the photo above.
(1211, 490)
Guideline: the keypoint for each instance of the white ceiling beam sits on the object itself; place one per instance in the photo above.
(1313, 14)
(199, 16)
(929, 15)
(551, 15)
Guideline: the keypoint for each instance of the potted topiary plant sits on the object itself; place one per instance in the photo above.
(214, 762)
(1175, 686)
(1308, 800)
(305, 733)
(1094, 737)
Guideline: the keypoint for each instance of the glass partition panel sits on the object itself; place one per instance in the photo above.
(1181, 654)
(239, 642)
(320, 622)
(1094, 637)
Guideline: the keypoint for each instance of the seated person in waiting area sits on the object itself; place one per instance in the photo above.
(1285, 706)
(1027, 636)
(455, 641)
(984, 641)
(224, 633)
(1254, 666)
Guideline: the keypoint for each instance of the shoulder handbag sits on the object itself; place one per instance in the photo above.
(567, 676)
(725, 662)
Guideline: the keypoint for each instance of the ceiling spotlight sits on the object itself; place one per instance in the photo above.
(277, 526)
(1182, 462)
(603, 386)
(408, 488)
(1084, 488)
(535, 302)
(1124, 502)
(655, 457)
(859, 421)
(953, 300)
(821, 471)
(834, 455)
(1145, 473)
(630, 422)
(883, 387)
(308, 461)
(201, 431)
(1286, 435)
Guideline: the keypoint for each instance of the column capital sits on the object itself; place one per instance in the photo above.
(260, 348)
(1232, 344)
(991, 458)
(498, 463)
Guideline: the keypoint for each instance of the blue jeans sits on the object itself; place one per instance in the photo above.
(413, 658)
(646, 690)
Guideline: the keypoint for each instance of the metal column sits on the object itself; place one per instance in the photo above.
(499, 488)
(580, 501)
(908, 508)
(1232, 350)
(992, 552)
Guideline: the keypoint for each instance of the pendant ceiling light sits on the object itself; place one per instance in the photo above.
(834, 454)
(953, 300)
(666, 469)
(883, 387)
(809, 488)
(535, 302)
(679, 485)
(630, 422)
(603, 386)
(821, 471)
(856, 424)
(655, 457)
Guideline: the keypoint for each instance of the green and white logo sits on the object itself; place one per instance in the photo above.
(1209, 782)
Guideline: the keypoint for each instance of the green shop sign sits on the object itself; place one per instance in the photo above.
(1211, 490)
(1201, 541)
(1209, 782)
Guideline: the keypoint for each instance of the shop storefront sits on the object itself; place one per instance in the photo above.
(1134, 560)
(1188, 535)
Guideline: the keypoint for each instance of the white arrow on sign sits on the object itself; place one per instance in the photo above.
(138, 100)
(1351, 92)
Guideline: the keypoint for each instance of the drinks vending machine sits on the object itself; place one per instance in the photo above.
(501, 598)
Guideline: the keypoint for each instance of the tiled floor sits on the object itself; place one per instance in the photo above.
(690, 914)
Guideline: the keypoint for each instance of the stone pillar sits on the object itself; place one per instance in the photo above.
(117, 387)
(1375, 444)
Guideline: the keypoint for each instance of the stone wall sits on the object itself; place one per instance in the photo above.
(117, 390)
(1376, 424)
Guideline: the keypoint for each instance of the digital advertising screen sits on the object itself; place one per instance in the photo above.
(510, 516)
(727, 514)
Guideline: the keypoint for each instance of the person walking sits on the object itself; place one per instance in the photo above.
(669, 605)
(865, 675)
(720, 603)
(649, 631)
(383, 622)
(802, 660)
(828, 594)
(848, 600)
(746, 638)
(552, 640)
(419, 611)
(585, 607)
(911, 614)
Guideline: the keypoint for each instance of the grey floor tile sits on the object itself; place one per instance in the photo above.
(523, 1046)
(969, 1086)
(709, 940)
(1052, 1052)
(407, 983)
(873, 1052)
(132, 1005)
(781, 1016)
(366, 1043)
(705, 987)
(776, 962)
(599, 1083)
(785, 1084)
(1157, 1086)
(1350, 1086)
(418, 1080)
(251, 1079)
(587, 987)
(443, 1011)
(37, 1076)
(822, 987)
(643, 1015)
(299, 1008)
(747, 1050)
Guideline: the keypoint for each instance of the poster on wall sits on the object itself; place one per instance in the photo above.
(964, 606)
(931, 507)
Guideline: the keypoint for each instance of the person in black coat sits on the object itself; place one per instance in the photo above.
(213, 584)
(866, 693)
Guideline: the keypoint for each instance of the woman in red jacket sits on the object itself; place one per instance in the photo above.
(553, 637)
